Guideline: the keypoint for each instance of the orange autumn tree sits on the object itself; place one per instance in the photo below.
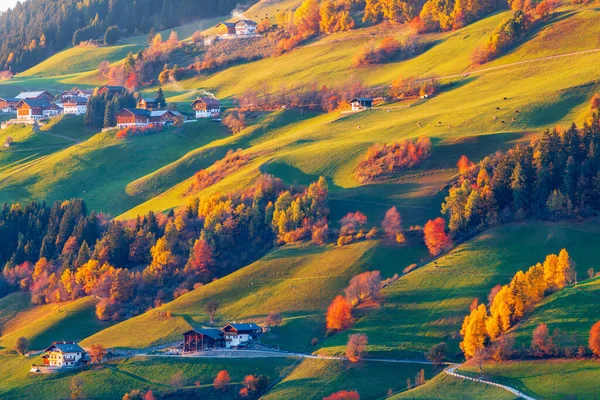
(356, 347)
(594, 341)
(222, 380)
(436, 238)
(343, 395)
(339, 314)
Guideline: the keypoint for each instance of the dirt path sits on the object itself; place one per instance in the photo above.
(452, 372)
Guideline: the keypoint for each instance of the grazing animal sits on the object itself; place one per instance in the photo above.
(497, 108)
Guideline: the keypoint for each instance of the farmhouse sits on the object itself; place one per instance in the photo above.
(239, 334)
(34, 109)
(229, 336)
(111, 90)
(8, 104)
(361, 103)
(226, 29)
(43, 95)
(148, 104)
(142, 118)
(75, 105)
(207, 107)
(202, 339)
(65, 355)
(245, 27)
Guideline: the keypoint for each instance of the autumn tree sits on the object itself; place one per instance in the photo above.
(307, 17)
(343, 395)
(356, 347)
(474, 331)
(97, 353)
(437, 353)
(77, 388)
(363, 286)
(541, 341)
(594, 341)
(274, 319)
(22, 345)
(211, 309)
(339, 314)
(464, 165)
(392, 226)
(222, 380)
(436, 238)
(201, 256)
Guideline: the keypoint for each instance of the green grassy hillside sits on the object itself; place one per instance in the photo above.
(556, 379)
(115, 379)
(297, 281)
(428, 305)
(573, 310)
(45, 324)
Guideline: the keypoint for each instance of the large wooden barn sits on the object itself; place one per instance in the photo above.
(202, 339)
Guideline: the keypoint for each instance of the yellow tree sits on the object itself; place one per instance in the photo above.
(474, 331)
(565, 273)
(328, 16)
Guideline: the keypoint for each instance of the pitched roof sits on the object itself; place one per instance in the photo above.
(213, 333)
(76, 99)
(114, 88)
(142, 112)
(9, 99)
(209, 101)
(244, 327)
(30, 95)
(66, 347)
(227, 24)
(148, 100)
(247, 22)
(42, 103)
(160, 113)
(361, 99)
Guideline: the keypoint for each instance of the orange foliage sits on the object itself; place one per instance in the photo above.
(219, 170)
(343, 395)
(594, 342)
(222, 380)
(436, 238)
(464, 165)
(382, 161)
(356, 347)
(339, 314)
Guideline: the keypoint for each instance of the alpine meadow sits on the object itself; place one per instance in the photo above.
(300, 199)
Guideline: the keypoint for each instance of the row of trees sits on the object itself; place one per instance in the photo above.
(554, 177)
(384, 160)
(102, 109)
(390, 49)
(72, 254)
(509, 303)
(54, 25)
(232, 161)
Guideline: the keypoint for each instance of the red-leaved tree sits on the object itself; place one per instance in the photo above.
(436, 238)
(339, 314)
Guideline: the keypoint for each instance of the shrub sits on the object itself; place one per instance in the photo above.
(112, 35)
(384, 160)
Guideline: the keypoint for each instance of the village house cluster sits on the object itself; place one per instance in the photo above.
(32, 107)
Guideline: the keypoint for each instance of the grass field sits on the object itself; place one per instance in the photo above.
(315, 379)
(116, 378)
(448, 388)
(573, 310)
(42, 325)
(428, 305)
(297, 281)
(556, 379)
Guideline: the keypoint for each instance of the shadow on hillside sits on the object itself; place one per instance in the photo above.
(554, 110)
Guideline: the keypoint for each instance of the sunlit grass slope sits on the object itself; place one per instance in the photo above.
(448, 388)
(543, 379)
(112, 381)
(42, 325)
(315, 379)
(298, 281)
(428, 305)
(100, 168)
(572, 310)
